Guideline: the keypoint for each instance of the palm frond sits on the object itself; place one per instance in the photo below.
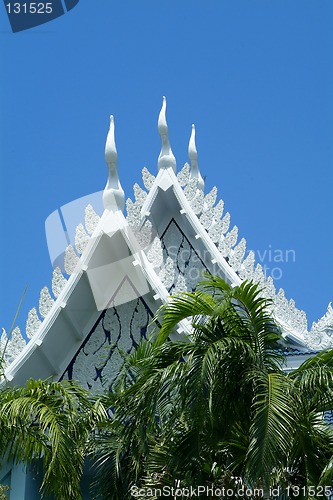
(272, 424)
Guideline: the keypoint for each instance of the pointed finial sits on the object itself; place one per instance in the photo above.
(166, 158)
(193, 156)
(113, 196)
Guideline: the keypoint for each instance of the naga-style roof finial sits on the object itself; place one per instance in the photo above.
(193, 156)
(166, 158)
(113, 195)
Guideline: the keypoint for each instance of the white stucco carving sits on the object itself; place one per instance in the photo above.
(91, 219)
(118, 331)
(218, 210)
(184, 175)
(191, 189)
(321, 333)
(143, 234)
(198, 202)
(247, 269)
(270, 291)
(167, 273)
(33, 323)
(71, 260)
(133, 210)
(210, 198)
(226, 222)
(180, 286)
(237, 255)
(216, 231)
(175, 256)
(155, 253)
(147, 178)
(15, 345)
(206, 218)
(3, 346)
(140, 194)
(58, 282)
(228, 242)
(45, 302)
(81, 239)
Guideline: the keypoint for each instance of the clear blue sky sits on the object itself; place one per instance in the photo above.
(255, 76)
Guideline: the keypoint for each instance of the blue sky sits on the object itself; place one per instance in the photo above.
(255, 76)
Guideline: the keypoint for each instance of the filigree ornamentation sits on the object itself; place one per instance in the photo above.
(133, 213)
(139, 194)
(167, 273)
(297, 318)
(326, 322)
(91, 219)
(197, 203)
(259, 276)
(58, 282)
(225, 223)
(180, 286)
(191, 189)
(232, 236)
(71, 260)
(118, 331)
(281, 306)
(286, 312)
(206, 219)
(147, 178)
(215, 232)
(247, 269)
(184, 175)
(186, 260)
(81, 239)
(45, 302)
(33, 323)
(210, 198)
(302, 321)
(237, 256)
(321, 333)
(218, 210)
(143, 234)
(269, 291)
(155, 253)
(228, 241)
(15, 345)
(3, 341)
(224, 248)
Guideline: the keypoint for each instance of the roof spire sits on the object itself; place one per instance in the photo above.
(166, 158)
(193, 156)
(113, 195)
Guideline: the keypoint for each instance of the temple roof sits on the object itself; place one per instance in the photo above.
(171, 233)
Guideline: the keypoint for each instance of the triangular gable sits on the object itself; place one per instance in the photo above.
(172, 232)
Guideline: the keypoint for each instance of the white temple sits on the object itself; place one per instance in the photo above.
(124, 266)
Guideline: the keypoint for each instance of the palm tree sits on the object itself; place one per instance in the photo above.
(217, 407)
(49, 422)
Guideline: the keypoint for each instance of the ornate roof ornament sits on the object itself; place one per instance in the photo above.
(113, 196)
(193, 156)
(324, 324)
(166, 158)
